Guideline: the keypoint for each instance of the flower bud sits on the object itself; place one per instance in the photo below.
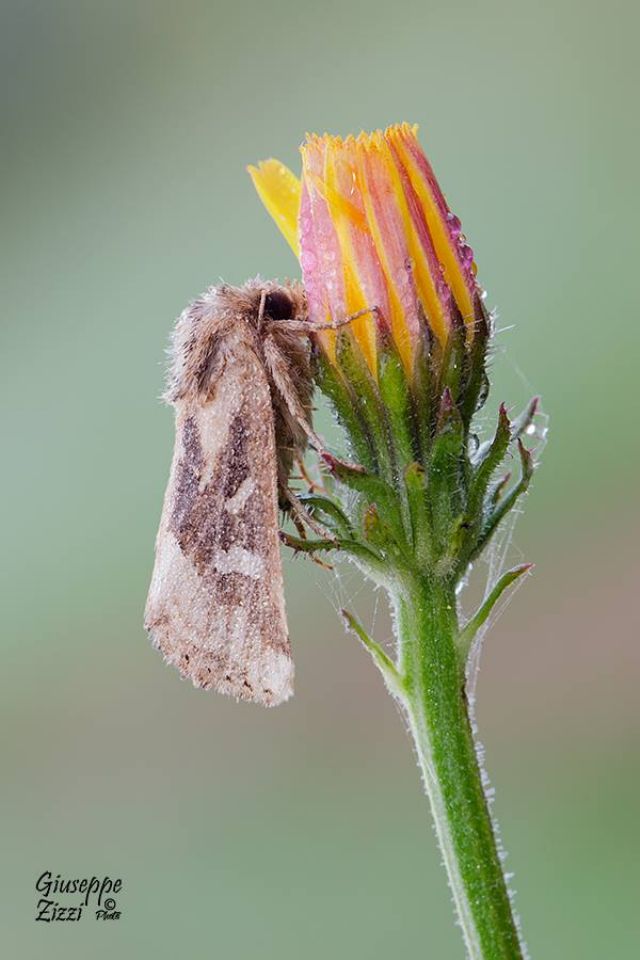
(376, 239)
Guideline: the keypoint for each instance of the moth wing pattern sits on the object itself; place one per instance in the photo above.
(216, 602)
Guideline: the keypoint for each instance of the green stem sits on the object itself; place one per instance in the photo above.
(437, 710)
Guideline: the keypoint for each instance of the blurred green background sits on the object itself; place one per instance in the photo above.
(302, 832)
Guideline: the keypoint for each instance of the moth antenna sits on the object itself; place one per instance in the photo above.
(304, 328)
(262, 307)
(336, 324)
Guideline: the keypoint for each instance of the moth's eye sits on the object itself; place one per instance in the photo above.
(278, 305)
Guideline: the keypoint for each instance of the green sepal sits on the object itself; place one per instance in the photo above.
(497, 489)
(373, 490)
(423, 397)
(347, 410)
(452, 546)
(376, 532)
(524, 421)
(495, 517)
(383, 662)
(490, 454)
(476, 385)
(446, 478)
(396, 397)
(467, 635)
(449, 361)
(367, 400)
(416, 486)
(488, 459)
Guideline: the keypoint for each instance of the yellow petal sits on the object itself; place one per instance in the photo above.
(280, 191)
(440, 235)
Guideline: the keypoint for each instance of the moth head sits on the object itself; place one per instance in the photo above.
(284, 302)
(278, 305)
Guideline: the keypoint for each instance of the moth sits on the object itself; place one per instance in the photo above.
(241, 384)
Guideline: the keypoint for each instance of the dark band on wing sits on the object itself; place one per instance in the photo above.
(201, 520)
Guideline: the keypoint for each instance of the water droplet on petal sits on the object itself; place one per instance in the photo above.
(455, 227)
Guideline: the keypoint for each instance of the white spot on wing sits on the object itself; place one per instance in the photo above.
(239, 560)
(235, 503)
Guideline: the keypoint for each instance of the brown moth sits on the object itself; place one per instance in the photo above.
(241, 385)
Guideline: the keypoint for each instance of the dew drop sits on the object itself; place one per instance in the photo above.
(455, 225)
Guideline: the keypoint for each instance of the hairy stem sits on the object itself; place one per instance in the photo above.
(437, 710)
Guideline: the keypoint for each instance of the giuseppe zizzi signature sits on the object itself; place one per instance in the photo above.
(66, 899)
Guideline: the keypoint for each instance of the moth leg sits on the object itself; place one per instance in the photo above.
(321, 563)
(308, 548)
(310, 482)
(299, 516)
(284, 538)
(305, 328)
(302, 530)
(299, 525)
(279, 369)
(298, 513)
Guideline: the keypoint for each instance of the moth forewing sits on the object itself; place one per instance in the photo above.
(216, 604)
